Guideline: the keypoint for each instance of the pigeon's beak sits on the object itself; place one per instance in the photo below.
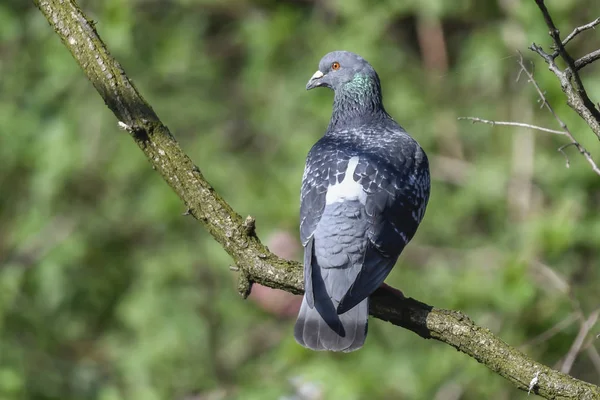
(315, 80)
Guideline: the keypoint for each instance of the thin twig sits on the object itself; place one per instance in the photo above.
(572, 70)
(580, 29)
(564, 127)
(561, 150)
(508, 123)
(574, 99)
(586, 326)
(594, 356)
(565, 130)
(587, 59)
(547, 57)
(560, 48)
(545, 103)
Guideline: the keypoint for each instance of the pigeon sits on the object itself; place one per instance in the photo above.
(364, 192)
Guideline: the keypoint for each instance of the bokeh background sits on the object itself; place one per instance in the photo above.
(107, 292)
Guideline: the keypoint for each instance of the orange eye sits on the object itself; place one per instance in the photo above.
(335, 66)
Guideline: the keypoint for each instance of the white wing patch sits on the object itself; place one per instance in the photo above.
(348, 189)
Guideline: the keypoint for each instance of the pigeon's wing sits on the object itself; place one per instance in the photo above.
(397, 193)
(325, 165)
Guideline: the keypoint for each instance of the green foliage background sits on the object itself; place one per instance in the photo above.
(107, 292)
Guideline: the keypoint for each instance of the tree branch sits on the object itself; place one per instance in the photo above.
(511, 123)
(578, 30)
(239, 240)
(577, 97)
(586, 326)
(582, 150)
(565, 130)
(587, 59)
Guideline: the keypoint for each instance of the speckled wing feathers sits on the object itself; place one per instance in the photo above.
(325, 166)
(352, 243)
(395, 176)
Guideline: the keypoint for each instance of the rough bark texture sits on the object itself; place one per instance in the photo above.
(570, 81)
(237, 235)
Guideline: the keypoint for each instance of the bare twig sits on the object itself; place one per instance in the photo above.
(564, 127)
(577, 97)
(579, 344)
(547, 57)
(545, 103)
(587, 59)
(593, 355)
(586, 326)
(562, 51)
(553, 278)
(565, 130)
(508, 123)
(561, 150)
(580, 29)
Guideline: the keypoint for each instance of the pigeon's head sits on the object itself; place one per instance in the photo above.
(340, 68)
